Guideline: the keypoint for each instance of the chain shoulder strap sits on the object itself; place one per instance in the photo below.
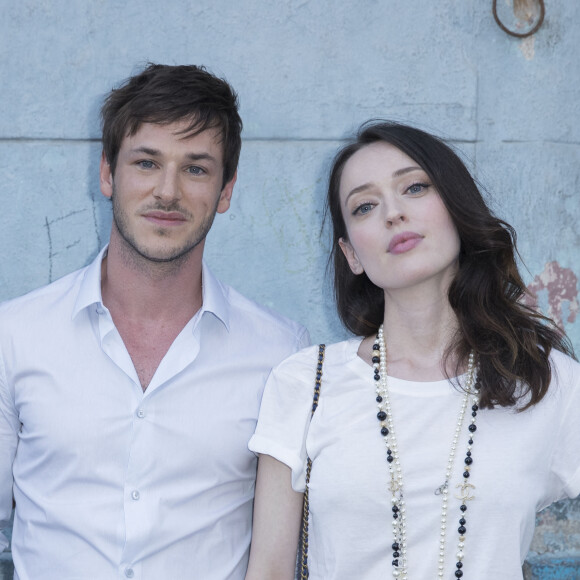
(303, 558)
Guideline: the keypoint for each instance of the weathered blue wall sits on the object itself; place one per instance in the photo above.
(308, 72)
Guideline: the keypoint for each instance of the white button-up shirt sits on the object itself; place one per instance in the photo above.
(113, 482)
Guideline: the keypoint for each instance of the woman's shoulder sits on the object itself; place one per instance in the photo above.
(565, 370)
(305, 360)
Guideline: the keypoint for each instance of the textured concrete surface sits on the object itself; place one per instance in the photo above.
(308, 72)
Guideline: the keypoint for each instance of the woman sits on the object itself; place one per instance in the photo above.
(452, 418)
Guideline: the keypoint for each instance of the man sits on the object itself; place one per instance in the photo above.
(129, 389)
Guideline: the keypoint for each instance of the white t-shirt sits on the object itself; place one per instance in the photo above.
(522, 463)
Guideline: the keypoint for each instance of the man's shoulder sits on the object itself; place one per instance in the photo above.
(249, 311)
(251, 317)
(42, 301)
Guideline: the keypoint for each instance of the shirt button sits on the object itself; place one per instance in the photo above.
(135, 495)
(141, 413)
(129, 572)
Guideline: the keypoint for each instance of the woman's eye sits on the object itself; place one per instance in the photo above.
(417, 188)
(363, 209)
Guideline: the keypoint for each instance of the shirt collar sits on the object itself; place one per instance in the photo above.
(90, 285)
(214, 292)
(214, 296)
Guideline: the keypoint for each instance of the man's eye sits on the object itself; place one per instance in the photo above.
(145, 164)
(194, 170)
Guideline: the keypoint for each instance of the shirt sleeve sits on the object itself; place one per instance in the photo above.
(9, 428)
(285, 414)
(566, 457)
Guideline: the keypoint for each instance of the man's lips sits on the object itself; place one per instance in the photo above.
(165, 217)
(404, 242)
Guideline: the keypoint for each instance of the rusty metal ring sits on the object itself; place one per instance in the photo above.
(520, 34)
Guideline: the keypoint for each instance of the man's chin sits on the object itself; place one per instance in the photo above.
(166, 255)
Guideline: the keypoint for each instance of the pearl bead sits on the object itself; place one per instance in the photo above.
(395, 481)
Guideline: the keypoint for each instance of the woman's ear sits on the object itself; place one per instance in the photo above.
(351, 257)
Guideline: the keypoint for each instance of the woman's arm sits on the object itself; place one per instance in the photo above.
(276, 527)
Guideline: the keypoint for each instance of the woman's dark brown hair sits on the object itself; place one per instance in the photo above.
(511, 340)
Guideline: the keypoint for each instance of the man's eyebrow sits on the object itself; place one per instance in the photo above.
(201, 156)
(147, 151)
(157, 153)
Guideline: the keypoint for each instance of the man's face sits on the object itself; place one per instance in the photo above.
(166, 191)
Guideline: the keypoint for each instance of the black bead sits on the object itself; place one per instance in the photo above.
(474, 414)
(474, 408)
(377, 377)
(376, 359)
(473, 428)
(466, 474)
(462, 530)
(395, 562)
(468, 454)
(462, 521)
(459, 564)
(384, 431)
(395, 546)
(468, 461)
(458, 573)
(395, 508)
(470, 441)
(379, 399)
(396, 554)
(319, 366)
(390, 458)
(463, 507)
(376, 346)
(395, 516)
(381, 415)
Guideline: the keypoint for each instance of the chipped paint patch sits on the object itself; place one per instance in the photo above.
(527, 46)
(561, 287)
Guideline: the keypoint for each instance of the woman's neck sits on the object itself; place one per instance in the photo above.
(418, 333)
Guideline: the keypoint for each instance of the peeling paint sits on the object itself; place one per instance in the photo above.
(561, 286)
(527, 46)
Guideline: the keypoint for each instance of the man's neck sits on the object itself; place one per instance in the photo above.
(139, 289)
(150, 303)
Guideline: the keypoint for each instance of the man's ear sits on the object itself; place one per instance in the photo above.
(351, 257)
(106, 177)
(226, 194)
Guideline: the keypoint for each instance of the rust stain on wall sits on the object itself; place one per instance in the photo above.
(561, 286)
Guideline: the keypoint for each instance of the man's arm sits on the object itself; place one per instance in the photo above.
(9, 429)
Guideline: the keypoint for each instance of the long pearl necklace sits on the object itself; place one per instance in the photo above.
(384, 415)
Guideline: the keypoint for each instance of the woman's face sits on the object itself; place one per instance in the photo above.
(399, 231)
